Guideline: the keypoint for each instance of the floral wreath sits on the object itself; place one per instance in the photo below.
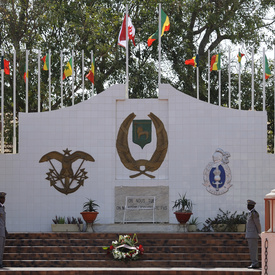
(126, 248)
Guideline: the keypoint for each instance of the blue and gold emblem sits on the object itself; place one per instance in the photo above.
(217, 174)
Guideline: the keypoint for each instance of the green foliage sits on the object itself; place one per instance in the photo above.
(76, 25)
(230, 220)
(90, 206)
(59, 220)
(193, 221)
(183, 204)
(70, 220)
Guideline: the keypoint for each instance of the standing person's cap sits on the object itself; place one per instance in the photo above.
(251, 202)
(2, 194)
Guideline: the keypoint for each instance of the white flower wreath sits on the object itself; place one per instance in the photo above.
(125, 248)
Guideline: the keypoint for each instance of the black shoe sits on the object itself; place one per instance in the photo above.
(253, 266)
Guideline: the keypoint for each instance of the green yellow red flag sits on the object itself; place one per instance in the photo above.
(68, 69)
(45, 59)
(267, 70)
(215, 64)
(26, 74)
(165, 26)
(240, 55)
(91, 74)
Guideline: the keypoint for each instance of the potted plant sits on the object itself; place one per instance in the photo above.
(193, 224)
(60, 224)
(183, 208)
(241, 221)
(89, 213)
(225, 221)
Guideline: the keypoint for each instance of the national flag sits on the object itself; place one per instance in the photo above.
(122, 33)
(240, 55)
(215, 64)
(165, 26)
(26, 74)
(193, 62)
(267, 70)
(68, 69)
(45, 59)
(91, 74)
(5, 65)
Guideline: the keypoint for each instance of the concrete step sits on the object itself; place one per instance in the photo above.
(162, 250)
(129, 271)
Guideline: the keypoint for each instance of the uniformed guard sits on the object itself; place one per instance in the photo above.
(3, 230)
(253, 231)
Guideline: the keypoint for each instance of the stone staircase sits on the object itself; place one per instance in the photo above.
(162, 250)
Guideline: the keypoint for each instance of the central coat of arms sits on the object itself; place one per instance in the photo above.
(142, 130)
(142, 136)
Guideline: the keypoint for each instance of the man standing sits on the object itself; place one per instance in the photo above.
(253, 231)
(3, 231)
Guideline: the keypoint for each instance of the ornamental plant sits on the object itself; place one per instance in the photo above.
(230, 220)
(125, 249)
(70, 220)
(183, 204)
(90, 206)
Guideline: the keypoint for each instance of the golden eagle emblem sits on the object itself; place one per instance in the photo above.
(66, 176)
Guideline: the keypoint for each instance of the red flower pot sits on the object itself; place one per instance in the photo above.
(89, 217)
(183, 217)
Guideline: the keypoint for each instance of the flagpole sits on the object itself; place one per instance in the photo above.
(92, 59)
(14, 103)
(252, 80)
(263, 79)
(159, 32)
(220, 76)
(82, 75)
(27, 81)
(220, 73)
(50, 83)
(197, 71)
(2, 105)
(239, 95)
(61, 77)
(72, 77)
(127, 54)
(208, 76)
(38, 80)
(229, 78)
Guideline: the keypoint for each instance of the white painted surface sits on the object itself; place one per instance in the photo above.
(195, 129)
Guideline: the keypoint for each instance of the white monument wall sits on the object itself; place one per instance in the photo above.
(195, 130)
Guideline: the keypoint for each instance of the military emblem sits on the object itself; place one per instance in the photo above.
(217, 174)
(142, 132)
(137, 165)
(66, 181)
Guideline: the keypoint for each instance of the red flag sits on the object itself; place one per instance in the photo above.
(193, 62)
(6, 66)
(91, 74)
(122, 33)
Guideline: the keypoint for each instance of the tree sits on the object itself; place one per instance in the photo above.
(76, 25)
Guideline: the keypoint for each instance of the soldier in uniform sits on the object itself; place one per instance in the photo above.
(3, 231)
(253, 231)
